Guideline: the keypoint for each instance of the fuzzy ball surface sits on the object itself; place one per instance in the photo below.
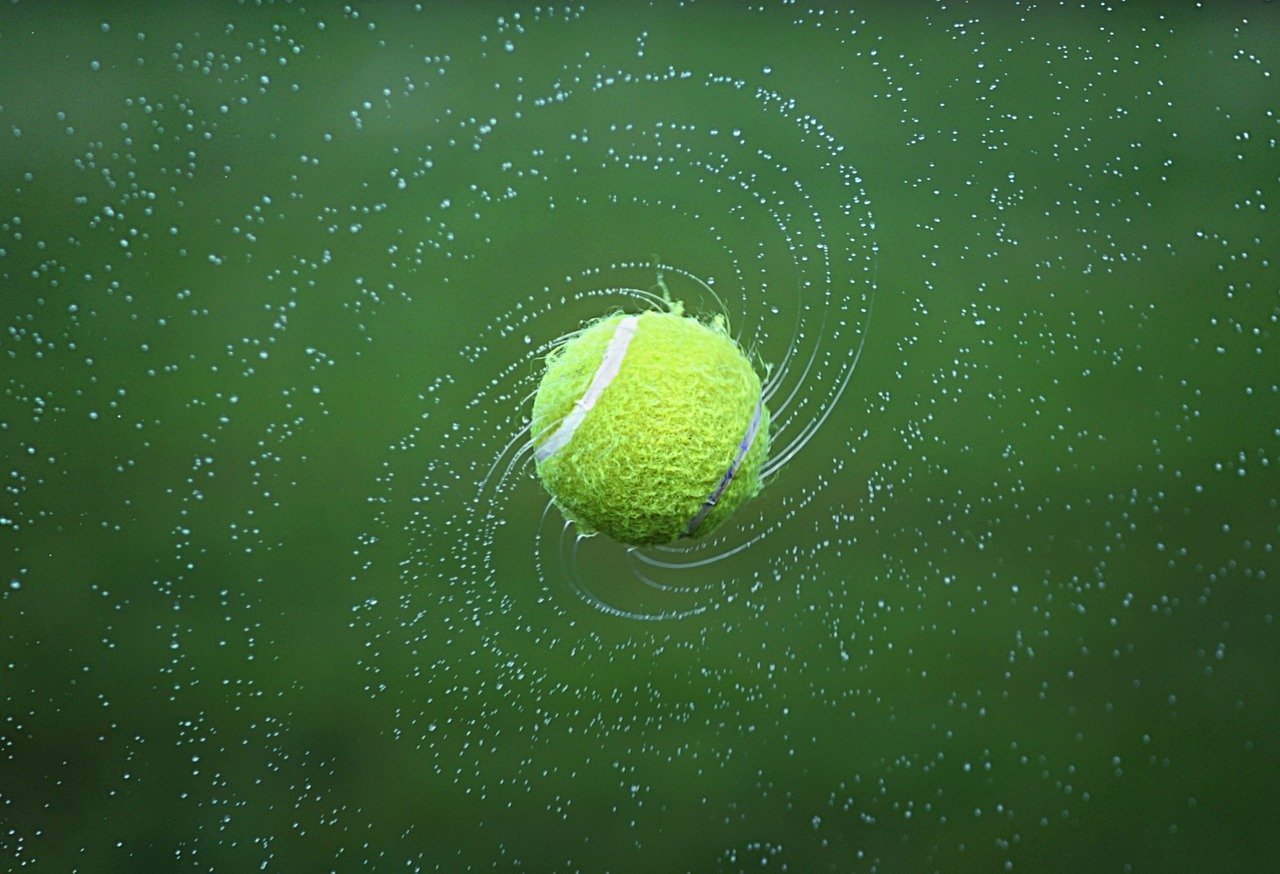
(649, 428)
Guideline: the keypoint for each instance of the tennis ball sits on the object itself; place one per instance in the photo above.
(650, 427)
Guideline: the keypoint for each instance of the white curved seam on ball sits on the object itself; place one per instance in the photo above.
(743, 448)
(605, 373)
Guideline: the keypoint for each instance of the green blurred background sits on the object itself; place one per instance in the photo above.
(281, 590)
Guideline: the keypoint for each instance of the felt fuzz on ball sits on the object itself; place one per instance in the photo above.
(649, 427)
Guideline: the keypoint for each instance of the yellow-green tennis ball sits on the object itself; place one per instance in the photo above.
(650, 428)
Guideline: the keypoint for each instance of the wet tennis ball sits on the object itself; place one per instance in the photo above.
(650, 427)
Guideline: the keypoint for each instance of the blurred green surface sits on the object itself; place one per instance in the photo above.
(278, 589)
